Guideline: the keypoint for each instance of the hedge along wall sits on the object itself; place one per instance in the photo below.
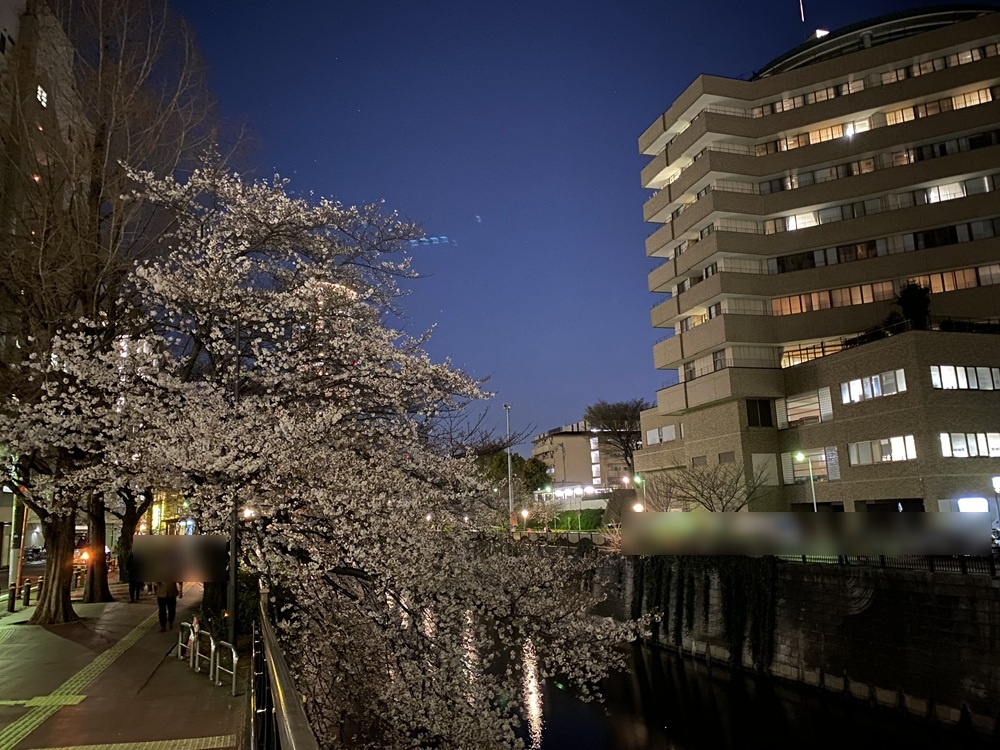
(927, 643)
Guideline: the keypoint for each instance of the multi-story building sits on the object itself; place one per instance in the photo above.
(791, 209)
(575, 455)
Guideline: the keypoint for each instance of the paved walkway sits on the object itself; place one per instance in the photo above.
(109, 682)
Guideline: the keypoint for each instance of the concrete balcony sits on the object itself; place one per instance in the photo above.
(659, 239)
(664, 314)
(721, 385)
(668, 353)
(660, 277)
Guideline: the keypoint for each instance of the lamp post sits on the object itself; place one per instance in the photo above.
(640, 480)
(800, 457)
(510, 471)
(524, 515)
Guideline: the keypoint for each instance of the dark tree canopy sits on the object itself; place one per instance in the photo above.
(535, 474)
(619, 425)
(915, 304)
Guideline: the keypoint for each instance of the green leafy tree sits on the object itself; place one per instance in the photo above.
(534, 474)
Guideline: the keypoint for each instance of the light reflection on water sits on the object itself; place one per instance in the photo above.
(532, 695)
(666, 703)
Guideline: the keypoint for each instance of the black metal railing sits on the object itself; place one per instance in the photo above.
(277, 719)
(963, 564)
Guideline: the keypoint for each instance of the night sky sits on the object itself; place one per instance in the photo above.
(510, 128)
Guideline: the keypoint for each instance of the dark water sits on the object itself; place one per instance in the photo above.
(668, 703)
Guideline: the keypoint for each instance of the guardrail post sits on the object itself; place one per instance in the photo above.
(11, 597)
(930, 563)
(881, 561)
(963, 564)
(26, 593)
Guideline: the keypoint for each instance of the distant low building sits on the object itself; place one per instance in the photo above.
(575, 456)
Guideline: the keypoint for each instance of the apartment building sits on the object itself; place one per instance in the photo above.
(790, 210)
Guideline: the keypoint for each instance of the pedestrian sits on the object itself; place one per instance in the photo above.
(134, 584)
(166, 600)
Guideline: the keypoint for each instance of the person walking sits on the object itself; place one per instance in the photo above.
(166, 600)
(134, 584)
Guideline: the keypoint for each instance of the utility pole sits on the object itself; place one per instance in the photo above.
(510, 472)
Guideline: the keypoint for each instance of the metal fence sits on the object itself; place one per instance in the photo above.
(277, 718)
(963, 564)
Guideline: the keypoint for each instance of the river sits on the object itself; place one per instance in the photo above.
(668, 703)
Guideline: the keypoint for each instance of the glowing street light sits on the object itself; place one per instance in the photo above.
(800, 457)
(524, 515)
(638, 508)
(639, 480)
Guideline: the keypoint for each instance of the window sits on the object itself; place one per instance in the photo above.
(970, 444)
(688, 371)
(699, 461)
(952, 377)
(652, 437)
(874, 386)
(803, 409)
(729, 457)
(42, 96)
(759, 412)
(719, 360)
(883, 450)
(824, 461)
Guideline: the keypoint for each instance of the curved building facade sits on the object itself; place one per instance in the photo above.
(790, 210)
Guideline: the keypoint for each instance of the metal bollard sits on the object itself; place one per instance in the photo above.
(26, 593)
(197, 657)
(41, 582)
(217, 667)
(11, 596)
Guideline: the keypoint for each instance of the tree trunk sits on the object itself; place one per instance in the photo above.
(96, 588)
(130, 520)
(54, 607)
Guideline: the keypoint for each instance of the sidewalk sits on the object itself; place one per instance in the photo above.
(110, 682)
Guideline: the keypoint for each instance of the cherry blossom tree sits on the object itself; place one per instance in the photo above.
(407, 627)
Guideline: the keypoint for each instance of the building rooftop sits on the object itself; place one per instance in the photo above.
(873, 32)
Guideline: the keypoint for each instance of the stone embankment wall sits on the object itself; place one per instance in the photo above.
(925, 643)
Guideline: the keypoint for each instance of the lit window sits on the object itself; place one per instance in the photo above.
(42, 96)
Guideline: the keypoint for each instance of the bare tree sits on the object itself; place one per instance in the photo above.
(723, 488)
(121, 83)
(618, 423)
(660, 492)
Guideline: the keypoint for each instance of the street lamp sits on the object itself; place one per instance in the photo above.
(638, 508)
(510, 473)
(639, 480)
(800, 457)
(524, 515)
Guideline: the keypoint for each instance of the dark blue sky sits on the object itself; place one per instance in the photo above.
(511, 128)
